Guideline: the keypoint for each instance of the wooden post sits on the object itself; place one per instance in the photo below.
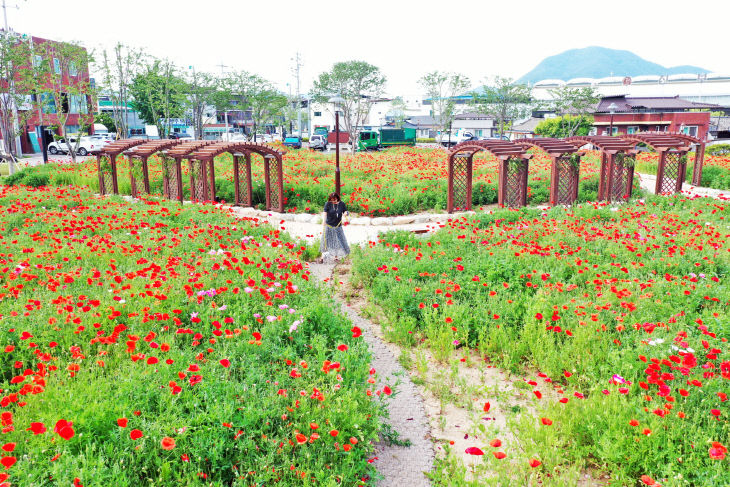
(699, 162)
(524, 166)
(211, 172)
(102, 189)
(502, 181)
(469, 182)
(249, 184)
(236, 180)
(554, 183)
(682, 171)
(608, 187)
(450, 190)
(113, 165)
(280, 186)
(178, 169)
(575, 174)
(145, 175)
(660, 171)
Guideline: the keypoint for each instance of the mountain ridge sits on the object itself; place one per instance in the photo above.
(599, 62)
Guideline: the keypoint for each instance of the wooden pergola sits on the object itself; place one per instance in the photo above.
(172, 172)
(138, 171)
(617, 165)
(108, 183)
(699, 146)
(672, 168)
(513, 166)
(241, 152)
(564, 170)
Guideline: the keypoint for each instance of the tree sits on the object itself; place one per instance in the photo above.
(359, 84)
(67, 90)
(259, 96)
(505, 100)
(107, 121)
(118, 70)
(398, 111)
(580, 103)
(441, 88)
(159, 94)
(565, 126)
(205, 90)
(19, 75)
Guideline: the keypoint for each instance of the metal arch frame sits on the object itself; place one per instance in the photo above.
(180, 152)
(274, 201)
(557, 149)
(143, 152)
(610, 168)
(699, 154)
(504, 151)
(112, 151)
(665, 145)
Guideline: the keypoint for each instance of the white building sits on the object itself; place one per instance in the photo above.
(323, 115)
(707, 88)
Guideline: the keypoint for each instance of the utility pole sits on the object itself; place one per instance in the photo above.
(223, 66)
(18, 149)
(296, 69)
(5, 13)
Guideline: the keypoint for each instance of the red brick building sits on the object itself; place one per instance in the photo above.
(652, 114)
(80, 107)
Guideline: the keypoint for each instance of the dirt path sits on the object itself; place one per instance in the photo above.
(400, 466)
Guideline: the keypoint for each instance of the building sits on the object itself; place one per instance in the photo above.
(135, 124)
(44, 114)
(711, 88)
(478, 124)
(628, 115)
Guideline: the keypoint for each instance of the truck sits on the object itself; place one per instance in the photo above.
(457, 136)
(387, 137)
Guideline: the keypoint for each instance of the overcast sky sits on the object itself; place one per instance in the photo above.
(405, 39)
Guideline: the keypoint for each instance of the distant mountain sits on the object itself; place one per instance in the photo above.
(599, 62)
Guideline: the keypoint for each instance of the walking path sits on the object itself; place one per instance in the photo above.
(648, 183)
(400, 466)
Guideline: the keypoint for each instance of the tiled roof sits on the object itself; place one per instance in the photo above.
(630, 104)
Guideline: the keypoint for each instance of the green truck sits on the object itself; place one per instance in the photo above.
(373, 140)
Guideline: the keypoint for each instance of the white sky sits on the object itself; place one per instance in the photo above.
(404, 38)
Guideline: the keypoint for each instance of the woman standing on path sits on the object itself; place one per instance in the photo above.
(334, 244)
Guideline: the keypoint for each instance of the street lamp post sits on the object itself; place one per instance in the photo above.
(336, 100)
(612, 109)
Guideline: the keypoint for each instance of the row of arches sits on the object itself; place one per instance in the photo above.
(200, 155)
(616, 171)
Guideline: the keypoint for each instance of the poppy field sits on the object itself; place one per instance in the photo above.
(149, 344)
(621, 312)
(397, 181)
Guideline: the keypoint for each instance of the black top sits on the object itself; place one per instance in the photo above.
(334, 213)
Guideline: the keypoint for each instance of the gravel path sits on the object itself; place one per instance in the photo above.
(400, 466)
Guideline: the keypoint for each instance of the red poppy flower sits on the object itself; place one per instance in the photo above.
(64, 429)
(225, 363)
(499, 455)
(496, 443)
(486, 407)
(136, 434)
(8, 462)
(546, 421)
(334, 433)
(122, 422)
(37, 428)
(648, 480)
(8, 447)
(168, 443)
(534, 463)
(472, 450)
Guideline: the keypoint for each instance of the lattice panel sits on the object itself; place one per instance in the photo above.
(274, 179)
(461, 182)
(567, 181)
(672, 173)
(513, 191)
(170, 179)
(619, 186)
(136, 176)
(243, 180)
(107, 178)
(197, 180)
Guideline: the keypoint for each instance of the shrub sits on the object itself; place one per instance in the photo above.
(718, 149)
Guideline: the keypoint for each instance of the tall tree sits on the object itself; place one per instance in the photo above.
(505, 100)
(67, 90)
(578, 104)
(205, 90)
(359, 84)
(441, 88)
(19, 79)
(159, 94)
(259, 96)
(118, 70)
(565, 126)
(398, 111)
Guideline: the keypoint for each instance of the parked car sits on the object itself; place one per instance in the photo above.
(86, 146)
(456, 137)
(102, 139)
(179, 135)
(293, 142)
(318, 142)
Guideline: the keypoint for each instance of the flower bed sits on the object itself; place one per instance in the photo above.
(148, 344)
(624, 311)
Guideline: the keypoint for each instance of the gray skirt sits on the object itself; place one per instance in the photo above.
(334, 242)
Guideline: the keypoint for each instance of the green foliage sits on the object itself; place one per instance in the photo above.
(258, 95)
(426, 140)
(159, 94)
(441, 87)
(28, 177)
(358, 83)
(565, 126)
(718, 149)
(107, 120)
(505, 100)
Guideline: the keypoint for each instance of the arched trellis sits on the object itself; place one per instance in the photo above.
(672, 167)
(699, 152)
(565, 167)
(108, 172)
(172, 172)
(617, 174)
(138, 171)
(274, 180)
(513, 165)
